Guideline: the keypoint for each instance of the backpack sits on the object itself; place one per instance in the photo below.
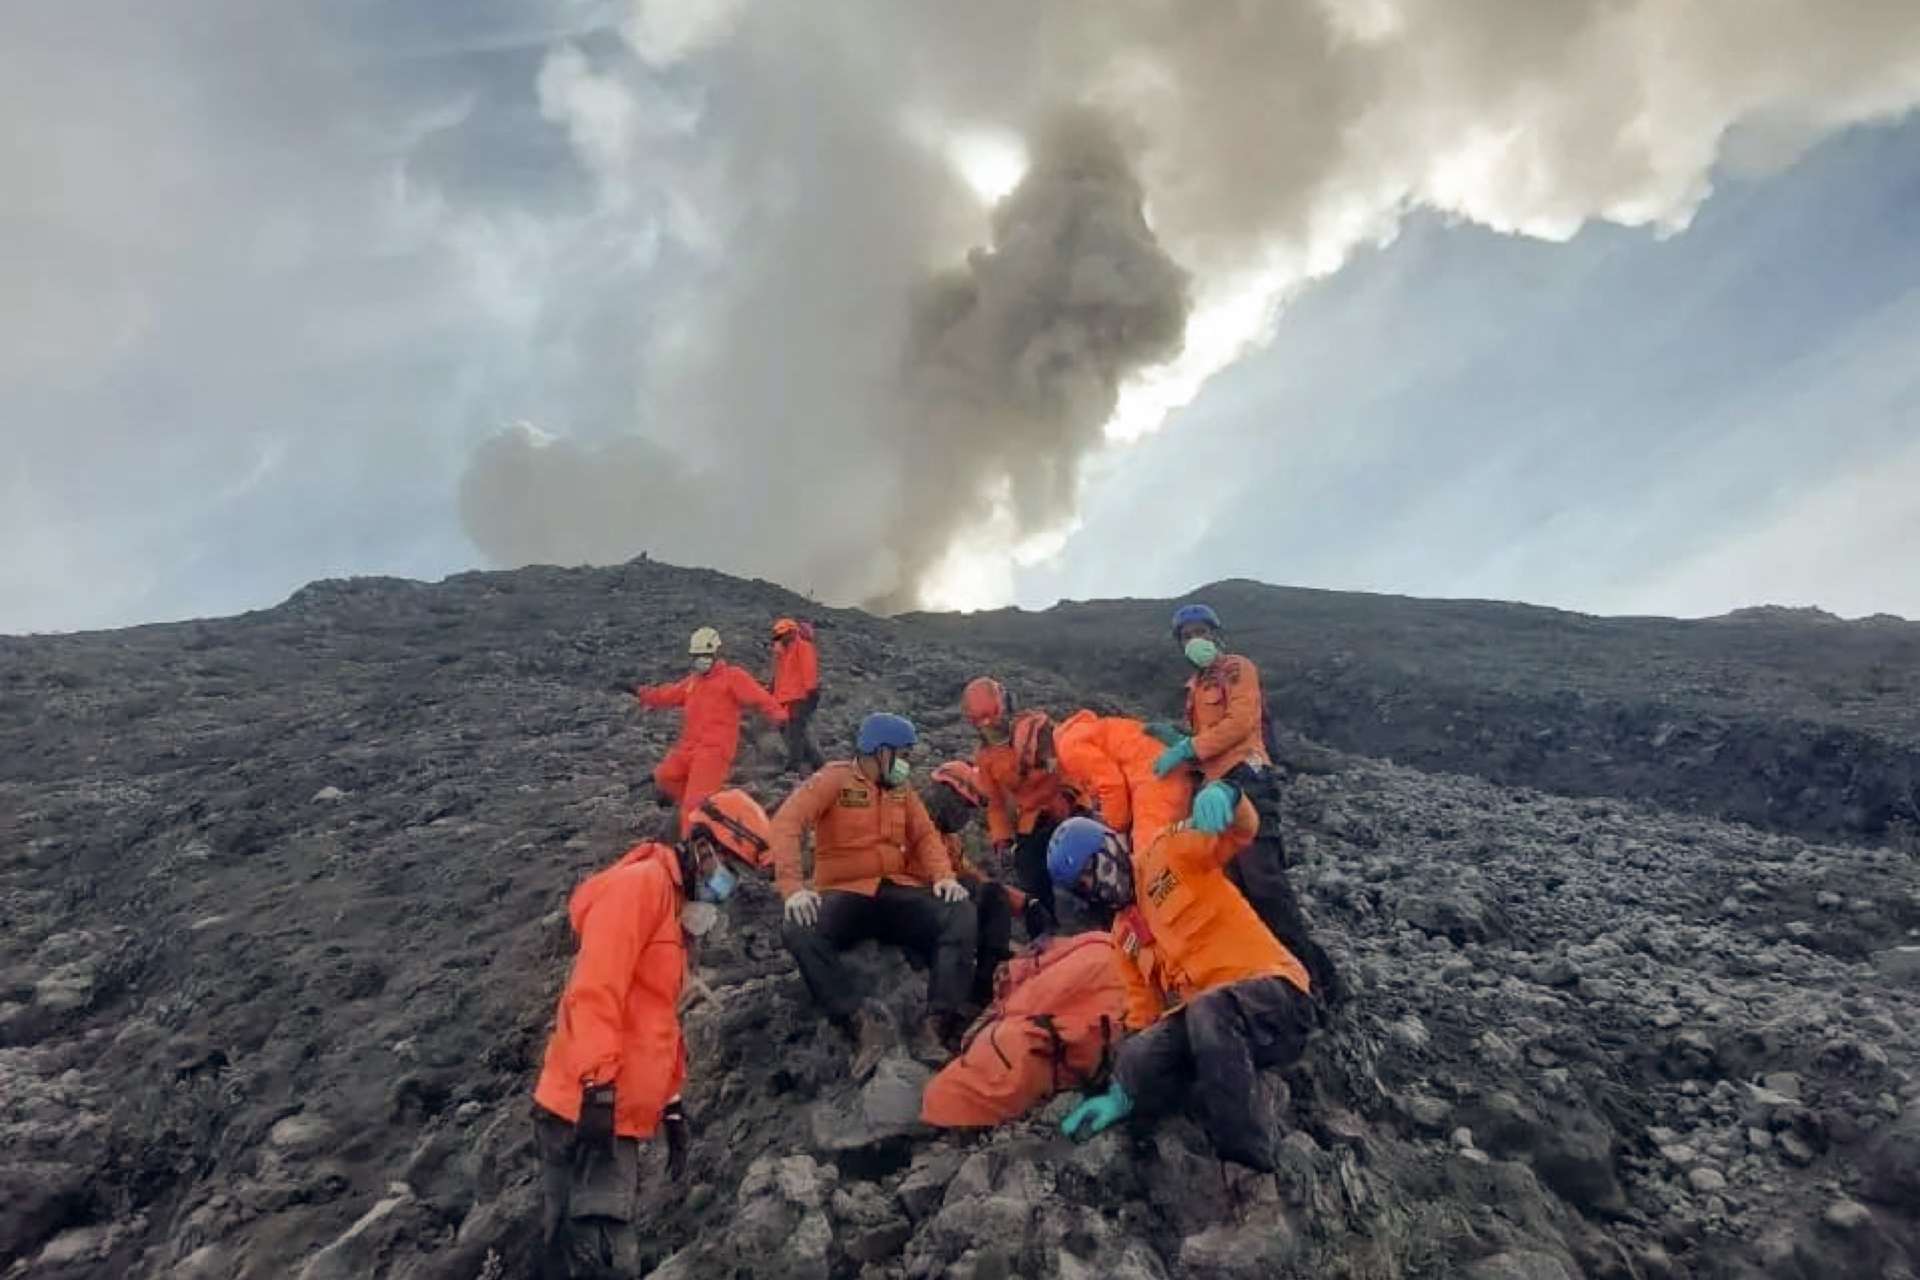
(1056, 1016)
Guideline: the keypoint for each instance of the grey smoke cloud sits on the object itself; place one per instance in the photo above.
(873, 408)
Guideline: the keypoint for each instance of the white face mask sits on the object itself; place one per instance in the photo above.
(703, 663)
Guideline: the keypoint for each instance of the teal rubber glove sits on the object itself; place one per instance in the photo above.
(1165, 732)
(1102, 1111)
(1213, 808)
(1173, 757)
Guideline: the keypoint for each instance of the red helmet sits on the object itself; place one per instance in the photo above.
(1032, 739)
(984, 701)
(784, 627)
(965, 781)
(735, 821)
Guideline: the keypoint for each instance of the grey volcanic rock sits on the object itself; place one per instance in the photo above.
(285, 922)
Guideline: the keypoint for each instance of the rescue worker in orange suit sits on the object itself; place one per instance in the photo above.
(952, 797)
(1107, 762)
(1227, 743)
(616, 1061)
(1024, 800)
(1211, 993)
(796, 687)
(711, 697)
(880, 871)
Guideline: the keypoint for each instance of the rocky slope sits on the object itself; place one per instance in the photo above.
(283, 897)
(1788, 719)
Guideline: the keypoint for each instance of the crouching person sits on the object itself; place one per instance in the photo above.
(953, 797)
(1212, 994)
(880, 871)
(616, 1061)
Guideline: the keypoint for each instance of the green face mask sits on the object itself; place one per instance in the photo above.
(899, 772)
(1201, 651)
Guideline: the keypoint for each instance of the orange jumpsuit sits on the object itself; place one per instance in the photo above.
(617, 1020)
(1224, 708)
(1109, 761)
(711, 702)
(796, 669)
(1016, 801)
(863, 833)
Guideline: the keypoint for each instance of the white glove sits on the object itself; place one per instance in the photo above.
(950, 890)
(803, 907)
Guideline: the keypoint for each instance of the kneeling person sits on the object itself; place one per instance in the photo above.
(1211, 992)
(616, 1061)
(875, 854)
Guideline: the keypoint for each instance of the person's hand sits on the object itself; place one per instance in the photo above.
(1213, 808)
(1173, 757)
(593, 1132)
(679, 1133)
(803, 907)
(950, 890)
(1099, 1112)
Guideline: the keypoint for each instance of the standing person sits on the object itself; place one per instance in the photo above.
(1024, 798)
(952, 797)
(1212, 994)
(880, 871)
(796, 687)
(711, 697)
(1227, 742)
(616, 1061)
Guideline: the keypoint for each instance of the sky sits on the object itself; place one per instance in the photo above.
(913, 303)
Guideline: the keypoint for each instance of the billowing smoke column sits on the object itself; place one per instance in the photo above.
(824, 416)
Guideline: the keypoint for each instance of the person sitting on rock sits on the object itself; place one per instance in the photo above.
(616, 1060)
(1212, 994)
(711, 697)
(1228, 741)
(952, 797)
(1024, 800)
(796, 687)
(880, 871)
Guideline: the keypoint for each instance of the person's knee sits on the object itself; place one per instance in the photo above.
(799, 937)
(959, 922)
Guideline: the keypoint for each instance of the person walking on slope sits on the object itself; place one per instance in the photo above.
(710, 697)
(1212, 994)
(1024, 799)
(796, 687)
(952, 797)
(1227, 743)
(880, 871)
(616, 1061)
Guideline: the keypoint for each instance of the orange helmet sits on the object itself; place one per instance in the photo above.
(735, 821)
(965, 781)
(1032, 739)
(984, 701)
(784, 627)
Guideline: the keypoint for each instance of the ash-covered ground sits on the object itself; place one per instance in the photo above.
(284, 926)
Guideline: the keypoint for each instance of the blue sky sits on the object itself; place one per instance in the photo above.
(1622, 423)
(270, 283)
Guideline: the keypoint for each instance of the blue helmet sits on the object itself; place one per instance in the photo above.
(883, 730)
(1072, 846)
(1188, 614)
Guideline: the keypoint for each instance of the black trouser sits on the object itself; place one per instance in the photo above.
(586, 1206)
(1212, 1048)
(1260, 873)
(802, 752)
(993, 922)
(1030, 864)
(899, 915)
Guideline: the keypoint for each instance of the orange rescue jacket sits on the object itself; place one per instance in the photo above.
(1109, 761)
(711, 702)
(796, 668)
(1016, 801)
(617, 1021)
(863, 833)
(1189, 930)
(1224, 707)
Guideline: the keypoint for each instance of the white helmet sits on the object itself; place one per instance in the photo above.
(705, 642)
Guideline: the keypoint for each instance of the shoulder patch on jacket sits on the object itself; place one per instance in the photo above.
(1162, 886)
